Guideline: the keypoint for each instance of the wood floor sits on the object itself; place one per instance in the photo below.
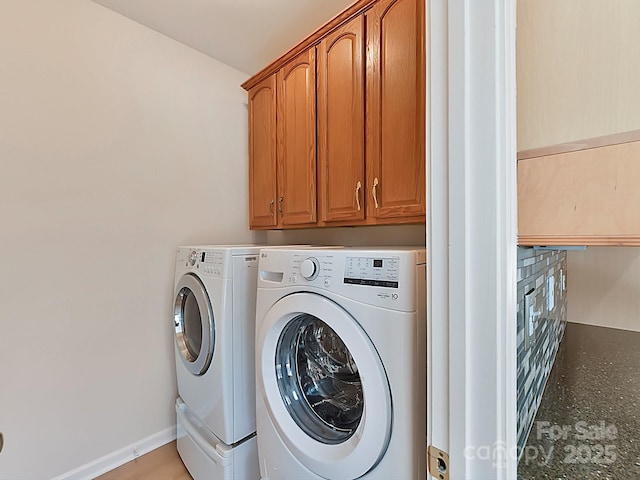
(161, 464)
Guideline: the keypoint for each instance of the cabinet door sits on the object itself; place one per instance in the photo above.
(341, 123)
(395, 120)
(262, 154)
(296, 99)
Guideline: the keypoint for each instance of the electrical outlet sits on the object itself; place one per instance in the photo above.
(530, 316)
(529, 305)
(551, 292)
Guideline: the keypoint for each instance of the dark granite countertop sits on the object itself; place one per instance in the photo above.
(588, 424)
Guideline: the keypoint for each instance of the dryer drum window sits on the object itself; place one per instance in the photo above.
(194, 324)
(188, 324)
(319, 380)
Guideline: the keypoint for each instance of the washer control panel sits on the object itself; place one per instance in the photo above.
(382, 271)
(384, 277)
(372, 271)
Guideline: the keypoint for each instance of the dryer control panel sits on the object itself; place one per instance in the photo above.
(210, 263)
(213, 262)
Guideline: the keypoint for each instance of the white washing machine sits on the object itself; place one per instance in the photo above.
(341, 364)
(214, 319)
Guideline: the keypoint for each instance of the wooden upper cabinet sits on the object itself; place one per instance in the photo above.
(395, 120)
(341, 140)
(262, 154)
(296, 140)
(362, 157)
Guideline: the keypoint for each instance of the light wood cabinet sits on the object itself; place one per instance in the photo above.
(282, 146)
(341, 169)
(365, 73)
(296, 140)
(396, 110)
(582, 193)
(262, 154)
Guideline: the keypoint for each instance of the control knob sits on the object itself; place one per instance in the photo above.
(309, 268)
(193, 258)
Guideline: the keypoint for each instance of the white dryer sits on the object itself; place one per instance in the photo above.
(214, 320)
(341, 364)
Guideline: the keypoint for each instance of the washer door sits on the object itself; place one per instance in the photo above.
(194, 324)
(325, 387)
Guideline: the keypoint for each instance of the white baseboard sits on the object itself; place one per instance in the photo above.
(115, 459)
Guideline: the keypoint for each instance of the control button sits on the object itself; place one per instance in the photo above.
(193, 258)
(309, 268)
(327, 282)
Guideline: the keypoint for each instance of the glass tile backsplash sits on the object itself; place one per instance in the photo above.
(542, 316)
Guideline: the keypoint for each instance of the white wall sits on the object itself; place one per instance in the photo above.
(116, 145)
(578, 63)
(603, 287)
(577, 68)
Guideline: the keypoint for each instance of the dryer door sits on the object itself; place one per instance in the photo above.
(325, 386)
(194, 324)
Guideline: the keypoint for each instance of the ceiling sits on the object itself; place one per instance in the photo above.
(245, 34)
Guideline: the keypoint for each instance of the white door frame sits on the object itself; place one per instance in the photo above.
(472, 236)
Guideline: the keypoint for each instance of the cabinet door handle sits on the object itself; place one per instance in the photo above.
(280, 200)
(271, 207)
(358, 187)
(374, 191)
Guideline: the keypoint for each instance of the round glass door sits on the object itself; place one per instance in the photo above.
(319, 380)
(194, 326)
(324, 387)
